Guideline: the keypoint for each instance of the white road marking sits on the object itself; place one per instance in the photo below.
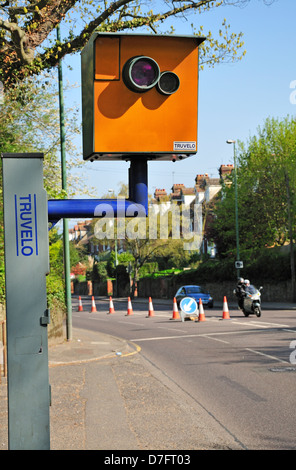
(267, 355)
(216, 339)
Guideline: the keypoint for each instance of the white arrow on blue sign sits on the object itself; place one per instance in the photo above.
(188, 305)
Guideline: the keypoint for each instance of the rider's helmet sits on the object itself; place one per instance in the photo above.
(247, 282)
(240, 280)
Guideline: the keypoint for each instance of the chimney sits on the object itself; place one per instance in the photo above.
(225, 170)
(158, 193)
(201, 180)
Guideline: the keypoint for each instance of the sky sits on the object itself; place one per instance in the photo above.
(234, 99)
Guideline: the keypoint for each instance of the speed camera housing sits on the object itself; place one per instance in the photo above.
(139, 96)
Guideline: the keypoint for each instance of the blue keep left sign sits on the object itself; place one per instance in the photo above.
(188, 305)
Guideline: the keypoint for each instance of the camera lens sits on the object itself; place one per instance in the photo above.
(168, 83)
(141, 73)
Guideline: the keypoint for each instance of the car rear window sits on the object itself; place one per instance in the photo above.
(194, 290)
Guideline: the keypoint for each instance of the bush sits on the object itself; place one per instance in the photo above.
(56, 304)
(147, 269)
(271, 264)
(99, 272)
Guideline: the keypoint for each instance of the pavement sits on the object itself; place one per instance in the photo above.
(107, 396)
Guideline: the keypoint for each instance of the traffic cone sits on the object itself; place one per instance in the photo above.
(176, 315)
(201, 316)
(150, 309)
(129, 307)
(225, 313)
(111, 306)
(93, 305)
(80, 308)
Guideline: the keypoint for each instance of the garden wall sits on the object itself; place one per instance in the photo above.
(167, 287)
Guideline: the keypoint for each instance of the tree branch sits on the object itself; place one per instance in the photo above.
(19, 39)
(29, 33)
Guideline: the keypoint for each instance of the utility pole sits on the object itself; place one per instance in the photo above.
(292, 262)
(64, 187)
(238, 262)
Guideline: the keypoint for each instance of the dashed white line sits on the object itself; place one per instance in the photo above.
(153, 338)
(258, 324)
(216, 339)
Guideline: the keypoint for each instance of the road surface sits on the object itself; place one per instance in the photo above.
(240, 371)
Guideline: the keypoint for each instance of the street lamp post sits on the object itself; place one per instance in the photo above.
(64, 186)
(236, 208)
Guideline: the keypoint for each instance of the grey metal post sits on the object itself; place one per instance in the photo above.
(236, 207)
(236, 211)
(26, 266)
(64, 186)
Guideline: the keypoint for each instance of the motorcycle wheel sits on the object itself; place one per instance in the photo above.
(258, 312)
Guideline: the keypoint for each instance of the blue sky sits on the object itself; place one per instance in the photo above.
(234, 99)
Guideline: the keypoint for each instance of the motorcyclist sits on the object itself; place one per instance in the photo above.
(240, 292)
(247, 284)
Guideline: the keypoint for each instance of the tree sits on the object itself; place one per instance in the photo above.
(275, 149)
(267, 169)
(29, 122)
(146, 238)
(31, 125)
(266, 193)
(28, 42)
(142, 250)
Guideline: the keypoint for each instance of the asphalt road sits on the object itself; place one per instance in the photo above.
(241, 372)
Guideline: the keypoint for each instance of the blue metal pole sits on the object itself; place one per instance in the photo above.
(79, 208)
(90, 208)
(139, 181)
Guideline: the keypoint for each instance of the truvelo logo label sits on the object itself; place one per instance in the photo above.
(185, 146)
(26, 225)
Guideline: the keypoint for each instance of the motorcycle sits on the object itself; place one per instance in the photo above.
(252, 301)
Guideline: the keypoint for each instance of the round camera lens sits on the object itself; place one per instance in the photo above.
(168, 83)
(141, 73)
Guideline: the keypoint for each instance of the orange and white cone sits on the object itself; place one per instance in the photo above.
(129, 307)
(150, 309)
(176, 315)
(201, 316)
(93, 305)
(80, 308)
(225, 313)
(111, 306)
